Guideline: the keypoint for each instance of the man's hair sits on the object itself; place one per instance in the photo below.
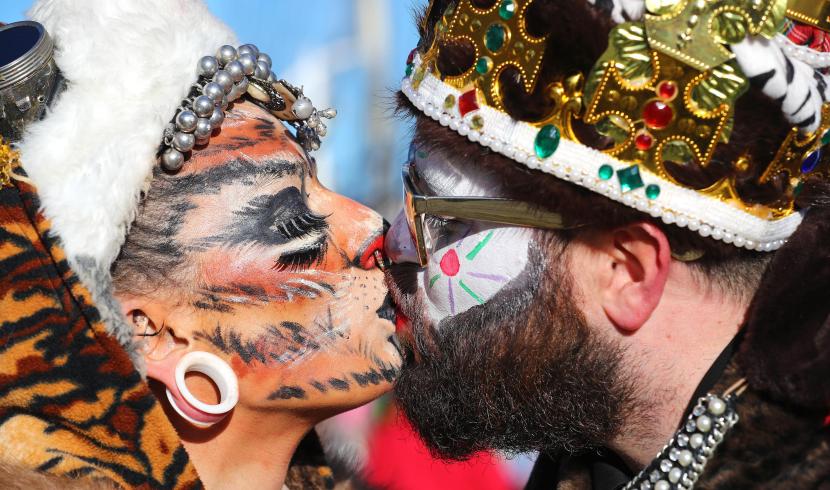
(577, 35)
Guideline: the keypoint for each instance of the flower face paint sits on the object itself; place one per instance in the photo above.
(470, 261)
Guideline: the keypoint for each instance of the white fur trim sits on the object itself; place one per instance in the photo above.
(128, 64)
(580, 164)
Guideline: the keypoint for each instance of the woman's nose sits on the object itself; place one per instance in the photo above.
(400, 247)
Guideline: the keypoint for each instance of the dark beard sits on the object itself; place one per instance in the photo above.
(523, 372)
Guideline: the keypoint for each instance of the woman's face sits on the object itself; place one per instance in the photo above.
(280, 277)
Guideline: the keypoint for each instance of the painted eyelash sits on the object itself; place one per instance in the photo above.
(303, 258)
(302, 226)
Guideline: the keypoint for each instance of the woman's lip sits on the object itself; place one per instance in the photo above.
(367, 259)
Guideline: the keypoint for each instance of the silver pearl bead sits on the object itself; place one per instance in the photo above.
(208, 66)
(234, 68)
(186, 121)
(303, 108)
(214, 91)
(685, 458)
(172, 160)
(238, 89)
(272, 77)
(662, 485)
(696, 440)
(704, 423)
(261, 70)
(248, 62)
(328, 113)
(248, 49)
(224, 79)
(217, 118)
(183, 141)
(203, 106)
(717, 406)
(226, 54)
(265, 59)
(203, 129)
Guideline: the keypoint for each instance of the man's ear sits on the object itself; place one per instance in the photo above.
(640, 257)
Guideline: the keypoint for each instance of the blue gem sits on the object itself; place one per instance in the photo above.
(809, 164)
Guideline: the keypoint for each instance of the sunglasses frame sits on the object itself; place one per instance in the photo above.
(490, 209)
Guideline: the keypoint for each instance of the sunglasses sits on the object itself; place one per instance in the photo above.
(491, 209)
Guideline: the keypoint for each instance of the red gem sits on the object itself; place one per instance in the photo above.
(667, 90)
(449, 263)
(643, 141)
(657, 115)
(411, 57)
(467, 102)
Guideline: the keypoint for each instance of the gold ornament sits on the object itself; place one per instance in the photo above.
(660, 105)
(498, 42)
(696, 31)
(8, 162)
(813, 12)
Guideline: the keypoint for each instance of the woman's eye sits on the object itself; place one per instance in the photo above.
(303, 258)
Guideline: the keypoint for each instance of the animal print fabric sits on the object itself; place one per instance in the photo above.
(71, 402)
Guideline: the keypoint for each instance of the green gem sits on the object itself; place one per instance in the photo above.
(606, 171)
(825, 138)
(494, 37)
(483, 65)
(449, 102)
(547, 140)
(652, 191)
(507, 9)
(477, 122)
(629, 178)
(797, 188)
(409, 69)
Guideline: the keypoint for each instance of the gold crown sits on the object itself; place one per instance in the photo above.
(664, 90)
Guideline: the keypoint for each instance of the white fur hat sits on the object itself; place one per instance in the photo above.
(128, 66)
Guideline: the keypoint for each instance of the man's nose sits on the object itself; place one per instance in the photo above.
(399, 246)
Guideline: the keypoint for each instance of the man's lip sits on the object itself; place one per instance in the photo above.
(401, 320)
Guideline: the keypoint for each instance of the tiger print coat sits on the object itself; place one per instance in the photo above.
(72, 404)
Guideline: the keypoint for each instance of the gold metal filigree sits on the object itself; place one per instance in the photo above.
(519, 50)
(696, 31)
(813, 12)
(9, 159)
(790, 157)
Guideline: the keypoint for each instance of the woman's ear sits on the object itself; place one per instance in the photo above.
(162, 348)
(639, 258)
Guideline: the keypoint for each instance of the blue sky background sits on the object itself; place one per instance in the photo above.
(348, 54)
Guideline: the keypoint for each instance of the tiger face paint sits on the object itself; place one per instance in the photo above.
(272, 271)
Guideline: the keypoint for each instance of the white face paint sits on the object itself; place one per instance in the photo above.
(472, 260)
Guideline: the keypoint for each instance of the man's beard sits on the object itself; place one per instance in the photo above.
(523, 372)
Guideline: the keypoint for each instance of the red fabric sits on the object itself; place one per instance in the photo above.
(398, 460)
(807, 35)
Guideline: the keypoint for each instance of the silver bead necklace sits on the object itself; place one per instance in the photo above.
(224, 78)
(681, 462)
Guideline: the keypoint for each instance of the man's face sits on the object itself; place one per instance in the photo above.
(279, 273)
(492, 332)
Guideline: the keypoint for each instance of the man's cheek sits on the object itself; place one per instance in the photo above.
(471, 271)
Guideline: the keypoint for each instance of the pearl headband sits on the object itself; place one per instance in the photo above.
(225, 78)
